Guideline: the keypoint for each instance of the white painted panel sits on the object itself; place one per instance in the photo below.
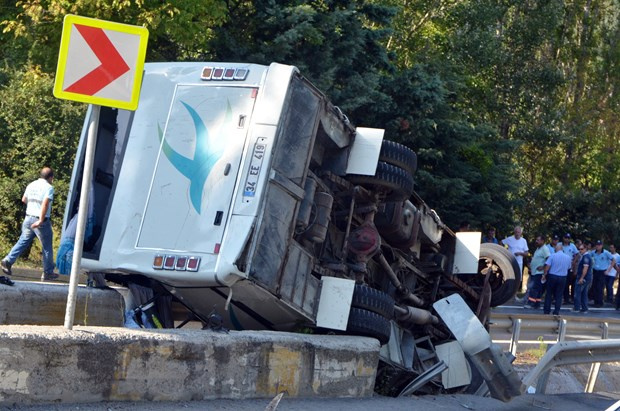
(196, 173)
(335, 303)
(274, 94)
(458, 373)
(463, 323)
(466, 253)
(365, 151)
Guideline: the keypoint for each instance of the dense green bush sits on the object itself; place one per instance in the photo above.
(37, 130)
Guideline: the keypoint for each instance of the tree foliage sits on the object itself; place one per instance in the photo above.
(37, 130)
(178, 30)
(512, 105)
(544, 75)
(340, 46)
(336, 44)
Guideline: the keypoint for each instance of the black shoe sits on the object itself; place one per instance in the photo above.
(584, 311)
(6, 280)
(6, 267)
(49, 277)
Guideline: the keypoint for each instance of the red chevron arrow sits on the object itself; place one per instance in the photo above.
(112, 64)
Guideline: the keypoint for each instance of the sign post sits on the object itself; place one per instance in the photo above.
(100, 62)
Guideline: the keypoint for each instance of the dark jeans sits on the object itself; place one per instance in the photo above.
(536, 291)
(598, 282)
(569, 288)
(609, 288)
(555, 289)
(581, 294)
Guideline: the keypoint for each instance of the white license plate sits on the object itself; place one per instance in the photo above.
(251, 179)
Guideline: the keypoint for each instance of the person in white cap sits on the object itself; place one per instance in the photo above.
(603, 264)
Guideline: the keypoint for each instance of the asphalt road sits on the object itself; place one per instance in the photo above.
(608, 311)
(564, 402)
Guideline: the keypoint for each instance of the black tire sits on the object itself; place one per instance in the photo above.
(506, 274)
(368, 324)
(399, 156)
(373, 300)
(394, 181)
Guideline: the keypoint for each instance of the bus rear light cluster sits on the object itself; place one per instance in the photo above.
(176, 262)
(224, 73)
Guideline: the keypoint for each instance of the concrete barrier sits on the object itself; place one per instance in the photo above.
(37, 303)
(91, 364)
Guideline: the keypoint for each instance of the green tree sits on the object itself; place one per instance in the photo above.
(463, 169)
(178, 30)
(511, 105)
(340, 46)
(576, 174)
(336, 44)
(37, 130)
(543, 75)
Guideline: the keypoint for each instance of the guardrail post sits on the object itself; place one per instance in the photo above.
(562, 330)
(541, 385)
(596, 367)
(516, 333)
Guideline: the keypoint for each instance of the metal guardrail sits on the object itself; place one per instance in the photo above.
(563, 353)
(573, 352)
(576, 327)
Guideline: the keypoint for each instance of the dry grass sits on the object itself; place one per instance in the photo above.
(528, 357)
(533, 355)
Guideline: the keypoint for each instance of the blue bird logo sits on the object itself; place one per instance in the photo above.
(207, 152)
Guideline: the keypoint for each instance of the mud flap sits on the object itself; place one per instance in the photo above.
(335, 303)
(492, 363)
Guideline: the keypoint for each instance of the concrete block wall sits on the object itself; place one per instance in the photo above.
(90, 364)
(34, 303)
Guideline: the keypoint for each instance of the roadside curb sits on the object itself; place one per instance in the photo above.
(34, 274)
(92, 364)
(44, 303)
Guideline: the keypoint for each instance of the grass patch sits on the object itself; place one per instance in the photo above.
(533, 355)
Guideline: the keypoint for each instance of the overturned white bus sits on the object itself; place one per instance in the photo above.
(240, 189)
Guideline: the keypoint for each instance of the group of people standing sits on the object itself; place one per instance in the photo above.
(564, 272)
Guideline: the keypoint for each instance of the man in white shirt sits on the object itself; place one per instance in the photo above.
(38, 198)
(517, 245)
